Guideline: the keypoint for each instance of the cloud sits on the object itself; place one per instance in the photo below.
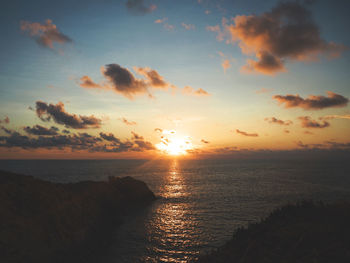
(138, 7)
(312, 102)
(109, 137)
(191, 91)
(204, 141)
(220, 35)
(127, 122)
(247, 134)
(106, 142)
(266, 64)
(40, 130)
(81, 141)
(154, 80)
(160, 21)
(158, 130)
(45, 34)
(122, 81)
(165, 24)
(188, 26)
(168, 26)
(141, 143)
(46, 112)
(6, 120)
(331, 117)
(263, 90)
(88, 83)
(277, 121)
(287, 32)
(307, 122)
(8, 131)
(226, 64)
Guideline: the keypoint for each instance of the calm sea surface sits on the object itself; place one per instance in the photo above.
(201, 202)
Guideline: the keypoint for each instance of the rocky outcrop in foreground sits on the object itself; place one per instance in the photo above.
(303, 233)
(51, 222)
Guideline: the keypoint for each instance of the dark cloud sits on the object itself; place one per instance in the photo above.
(138, 7)
(6, 120)
(75, 142)
(307, 122)
(122, 81)
(140, 143)
(80, 141)
(247, 134)
(277, 121)
(46, 112)
(287, 32)
(45, 34)
(8, 131)
(109, 137)
(312, 102)
(40, 130)
(136, 136)
(66, 131)
(327, 150)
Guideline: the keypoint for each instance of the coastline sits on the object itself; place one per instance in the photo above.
(53, 222)
(304, 232)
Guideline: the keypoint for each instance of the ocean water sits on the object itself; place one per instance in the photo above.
(201, 202)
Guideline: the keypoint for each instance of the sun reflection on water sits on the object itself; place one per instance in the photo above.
(174, 222)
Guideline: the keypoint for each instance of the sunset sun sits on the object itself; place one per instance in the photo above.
(172, 144)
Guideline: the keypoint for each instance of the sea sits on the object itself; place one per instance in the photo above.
(200, 202)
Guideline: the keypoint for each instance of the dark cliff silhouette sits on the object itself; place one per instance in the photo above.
(51, 222)
(303, 233)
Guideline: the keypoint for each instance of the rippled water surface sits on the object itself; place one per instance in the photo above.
(200, 202)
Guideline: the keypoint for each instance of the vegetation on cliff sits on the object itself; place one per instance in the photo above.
(303, 233)
(51, 222)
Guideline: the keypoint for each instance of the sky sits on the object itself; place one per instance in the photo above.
(164, 78)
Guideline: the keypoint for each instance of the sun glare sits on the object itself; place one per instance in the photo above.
(173, 144)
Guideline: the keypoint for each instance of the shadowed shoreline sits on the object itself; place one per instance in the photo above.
(305, 233)
(52, 222)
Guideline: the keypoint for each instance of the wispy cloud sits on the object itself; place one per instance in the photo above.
(138, 7)
(277, 121)
(246, 133)
(188, 26)
(45, 34)
(263, 90)
(191, 91)
(127, 122)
